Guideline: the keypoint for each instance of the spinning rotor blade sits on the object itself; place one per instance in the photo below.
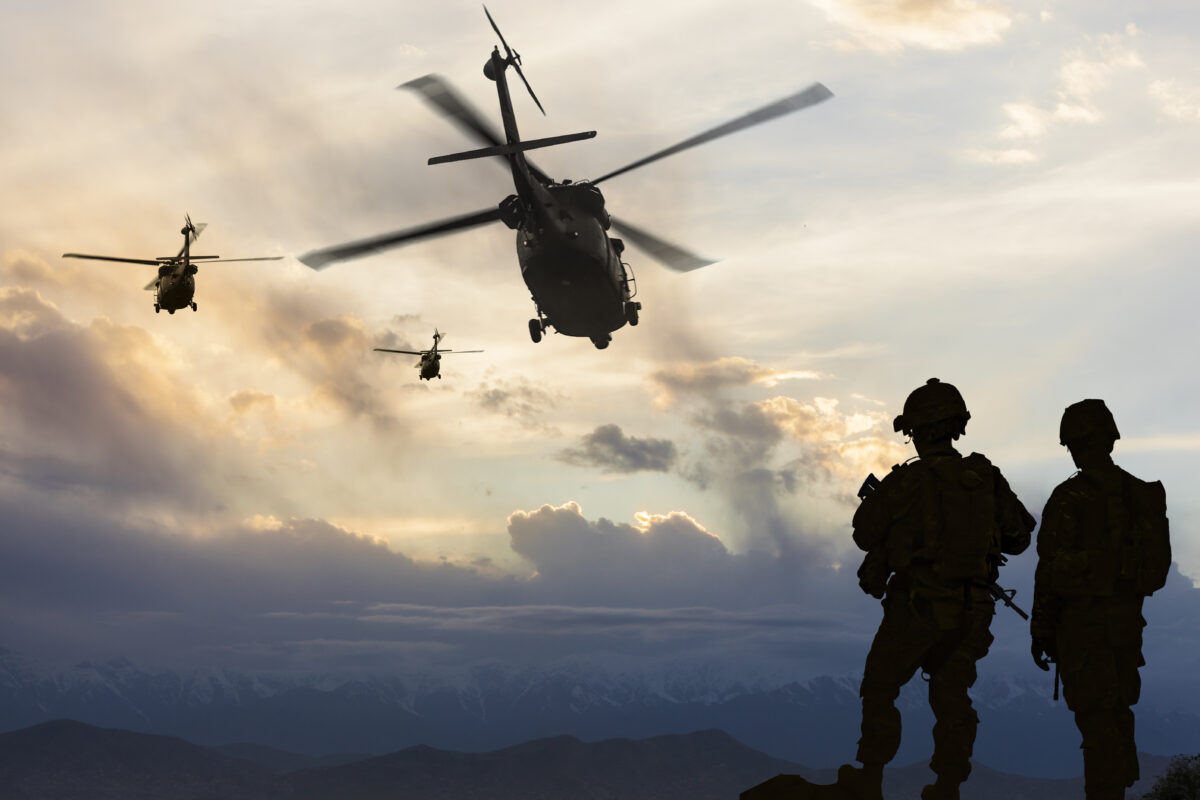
(440, 94)
(319, 259)
(669, 255)
(227, 260)
(808, 97)
(112, 258)
(406, 352)
(514, 59)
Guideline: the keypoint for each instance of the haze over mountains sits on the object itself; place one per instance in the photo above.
(67, 760)
(813, 722)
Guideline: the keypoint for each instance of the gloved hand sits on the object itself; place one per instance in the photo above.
(1044, 651)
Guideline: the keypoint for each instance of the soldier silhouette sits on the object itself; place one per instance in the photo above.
(1103, 547)
(935, 531)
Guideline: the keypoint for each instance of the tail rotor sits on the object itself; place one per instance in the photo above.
(514, 58)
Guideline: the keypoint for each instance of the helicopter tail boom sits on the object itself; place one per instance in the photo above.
(515, 147)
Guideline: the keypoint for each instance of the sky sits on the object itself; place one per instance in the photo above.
(1003, 195)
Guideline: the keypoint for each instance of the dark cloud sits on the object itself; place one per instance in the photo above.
(519, 399)
(248, 401)
(332, 352)
(608, 448)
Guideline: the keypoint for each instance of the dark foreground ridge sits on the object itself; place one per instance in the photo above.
(67, 760)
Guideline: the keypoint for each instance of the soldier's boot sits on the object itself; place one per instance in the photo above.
(940, 791)
(861, 783)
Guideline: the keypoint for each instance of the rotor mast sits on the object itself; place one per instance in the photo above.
(494, 69)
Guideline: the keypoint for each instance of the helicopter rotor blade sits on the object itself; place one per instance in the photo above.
(514, 58)
(440, 94)
(669, 255)
(228, 260)
(405, 352)
(319, 259)
(803, 99)
(112, 258)
(460, 351)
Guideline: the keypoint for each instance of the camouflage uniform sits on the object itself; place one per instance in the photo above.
(1102, 548)
(939, 525)
(934, 531)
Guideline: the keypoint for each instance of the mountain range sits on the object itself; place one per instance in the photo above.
(489, 707)
(67, 760)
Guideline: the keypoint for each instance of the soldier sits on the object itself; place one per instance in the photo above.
(1103, 547)
(935, 532)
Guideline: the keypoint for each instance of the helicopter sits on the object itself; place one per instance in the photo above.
(431, 360)
(175, 285)
(574, 270)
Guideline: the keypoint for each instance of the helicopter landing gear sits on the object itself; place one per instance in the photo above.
(194, 308)
(631, 312)
(601, 342)
(536, 326)
(157, 308)
(170, 311)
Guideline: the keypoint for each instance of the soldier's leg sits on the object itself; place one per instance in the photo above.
(897, 650)
(956, 720)
(1091, 691)
(1129, 689)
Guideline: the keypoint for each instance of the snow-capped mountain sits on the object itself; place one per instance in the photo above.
(490, 706)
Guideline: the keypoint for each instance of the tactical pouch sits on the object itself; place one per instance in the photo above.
(969, 533)
(1151, 537)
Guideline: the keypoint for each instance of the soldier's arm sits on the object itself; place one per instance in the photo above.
(1016, 523)
(1045, 604)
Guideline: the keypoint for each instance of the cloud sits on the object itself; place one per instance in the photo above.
(608, 448)
(95, 408)
(1176, 99)
(700, 379)
(885, 25)
(519, 399)
(1083, 73)
(248, 401)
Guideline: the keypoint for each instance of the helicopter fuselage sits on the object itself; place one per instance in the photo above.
(176, 289)
(571, 266)
(430, 366)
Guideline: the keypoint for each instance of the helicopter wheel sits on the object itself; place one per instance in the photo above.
(157, 308)
(601, 342)
(631, 312)
(170, 311)
(535, 330)
(194, 308)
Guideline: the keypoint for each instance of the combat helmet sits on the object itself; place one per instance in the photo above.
(1087, 418)
(933, 402)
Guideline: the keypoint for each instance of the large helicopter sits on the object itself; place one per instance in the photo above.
(175, 285)
(431, 360)
(573, 268)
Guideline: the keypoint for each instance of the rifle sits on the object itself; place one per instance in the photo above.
(998, 593)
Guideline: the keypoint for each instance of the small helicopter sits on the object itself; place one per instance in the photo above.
(175, 285)
(574, 270)
(431, 360)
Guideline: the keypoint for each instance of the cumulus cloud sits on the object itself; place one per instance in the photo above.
(885, 25)
(608, 448)
(95, 408)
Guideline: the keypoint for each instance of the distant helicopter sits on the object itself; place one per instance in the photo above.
(175, 285)
(572, 267)
(431, 360)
